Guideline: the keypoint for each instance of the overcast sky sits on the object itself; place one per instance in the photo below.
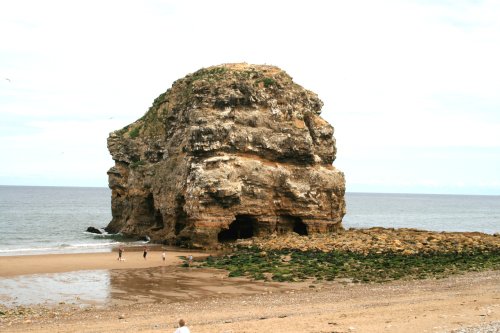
(411, 87)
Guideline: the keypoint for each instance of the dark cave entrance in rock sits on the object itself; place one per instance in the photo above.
(300, 227)
(242, 227)
(158, 220)
(288, 223)
(180, 214)
(179, 226)
(154, 213)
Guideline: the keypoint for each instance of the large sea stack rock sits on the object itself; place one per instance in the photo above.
(228, 152)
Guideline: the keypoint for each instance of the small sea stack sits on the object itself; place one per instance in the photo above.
(228, 152)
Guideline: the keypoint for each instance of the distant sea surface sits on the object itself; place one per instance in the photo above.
(35, 220)
(435, 212)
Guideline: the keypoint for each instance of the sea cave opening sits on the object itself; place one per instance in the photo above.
(180, 214)
(154, 215)
(241, 227)
(289, 223)
(299, 227)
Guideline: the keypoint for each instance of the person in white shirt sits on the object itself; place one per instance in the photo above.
(182, 328)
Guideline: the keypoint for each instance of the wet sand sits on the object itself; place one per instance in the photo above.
(56, 263)
(99, 279)
(151, 297)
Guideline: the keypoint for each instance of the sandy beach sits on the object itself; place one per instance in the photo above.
(57, 263)
(150, 296)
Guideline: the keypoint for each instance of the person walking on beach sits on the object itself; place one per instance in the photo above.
(182, 328)
(120, 253)
(145, 253)
(163, 256)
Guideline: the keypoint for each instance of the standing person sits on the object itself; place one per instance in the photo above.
(182, 328)
(120, 253)
(190, 260)
(145, 253)
(163, 256)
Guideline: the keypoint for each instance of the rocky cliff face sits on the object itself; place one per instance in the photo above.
(230, 151)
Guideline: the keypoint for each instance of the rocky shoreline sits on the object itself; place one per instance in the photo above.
(360, 255)
(380, 240)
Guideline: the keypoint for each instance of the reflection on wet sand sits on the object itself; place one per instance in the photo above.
(171, 284)
(79, 288)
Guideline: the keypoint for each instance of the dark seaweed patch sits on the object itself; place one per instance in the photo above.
(294, 265)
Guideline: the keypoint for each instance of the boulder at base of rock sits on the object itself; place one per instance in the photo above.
(94, 230)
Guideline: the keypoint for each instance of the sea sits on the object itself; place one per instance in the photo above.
(41, 220)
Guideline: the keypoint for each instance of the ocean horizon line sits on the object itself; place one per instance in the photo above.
(350, 192)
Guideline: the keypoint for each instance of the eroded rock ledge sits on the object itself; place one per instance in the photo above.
(230, 151)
